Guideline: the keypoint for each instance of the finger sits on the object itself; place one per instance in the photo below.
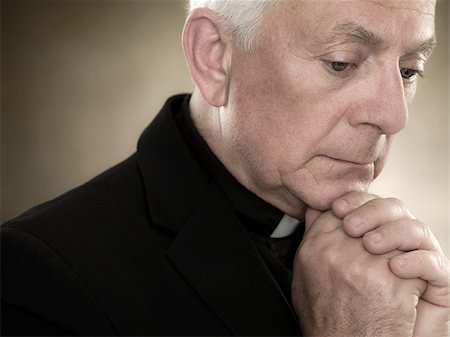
(433, 267)
(310, 216)
(403, 234)
(323, 223)
(373, 214)
(350, 202)
(437, 324)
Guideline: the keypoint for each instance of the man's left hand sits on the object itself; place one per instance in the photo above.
(386, 225)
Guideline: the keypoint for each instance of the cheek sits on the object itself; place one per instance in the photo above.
(281, 113)
(410, 93)
(280, 139)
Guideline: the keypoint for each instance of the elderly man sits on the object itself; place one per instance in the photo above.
(292, 116)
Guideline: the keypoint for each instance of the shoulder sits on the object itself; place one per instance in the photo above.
(108, 212)
(51, 253)
(80, 206)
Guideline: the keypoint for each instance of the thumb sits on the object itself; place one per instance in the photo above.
(310, 216)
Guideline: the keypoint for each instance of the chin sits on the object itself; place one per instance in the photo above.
(319, 191)
(323, 199)
(320, 205)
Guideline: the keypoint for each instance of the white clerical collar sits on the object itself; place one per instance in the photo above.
(286, 227)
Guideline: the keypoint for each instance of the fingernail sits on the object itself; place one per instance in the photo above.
(375, 237)
(355, 222)
(401, 262)
(342, 204)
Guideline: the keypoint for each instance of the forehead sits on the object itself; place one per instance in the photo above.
(308, 8)
(426, 7)
(317, 21)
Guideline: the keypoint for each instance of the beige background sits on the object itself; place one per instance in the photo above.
(81, 79)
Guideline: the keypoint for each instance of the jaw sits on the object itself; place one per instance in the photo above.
(318, 189)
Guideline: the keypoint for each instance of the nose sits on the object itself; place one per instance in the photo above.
(385, 105)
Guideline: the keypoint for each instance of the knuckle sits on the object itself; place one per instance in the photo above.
(438, 268)
(331, 259)
(357, 270)
(306, 252)
(302, 251)
(399, 206)
(315, 253)
(425, 231)
(443, 267)
(427, 236)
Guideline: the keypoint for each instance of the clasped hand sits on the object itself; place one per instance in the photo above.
(368, 267)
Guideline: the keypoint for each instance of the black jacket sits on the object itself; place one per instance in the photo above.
(150, 247)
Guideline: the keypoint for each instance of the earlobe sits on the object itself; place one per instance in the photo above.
(205, 47)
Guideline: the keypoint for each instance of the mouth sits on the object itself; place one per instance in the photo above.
(351, 162)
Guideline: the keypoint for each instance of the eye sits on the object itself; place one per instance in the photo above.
(339, 66)
(408, 74)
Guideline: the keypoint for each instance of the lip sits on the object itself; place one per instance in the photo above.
(350, 162)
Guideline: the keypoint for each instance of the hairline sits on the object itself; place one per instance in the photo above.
(246, 34)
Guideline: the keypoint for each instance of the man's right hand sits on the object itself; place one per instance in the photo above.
(386, 225)
(340, 289)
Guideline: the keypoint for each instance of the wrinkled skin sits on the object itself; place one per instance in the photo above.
(296, 131)
(353, 278)
(305, 121)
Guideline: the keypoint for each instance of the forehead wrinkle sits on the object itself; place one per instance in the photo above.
(395, 4)
(352, 32)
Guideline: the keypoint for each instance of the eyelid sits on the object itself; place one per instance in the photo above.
(340, 74)
(413, 79)
(420, 73)
(350, 64)
(422, 57)
(415, 65)
(344, 56)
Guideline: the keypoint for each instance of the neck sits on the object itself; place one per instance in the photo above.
(207, 121)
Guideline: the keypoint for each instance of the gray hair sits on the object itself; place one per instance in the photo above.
(241, 16)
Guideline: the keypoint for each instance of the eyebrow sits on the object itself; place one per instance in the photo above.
(425, 47)
(351, 31)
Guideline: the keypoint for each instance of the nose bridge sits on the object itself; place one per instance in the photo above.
(390, 110)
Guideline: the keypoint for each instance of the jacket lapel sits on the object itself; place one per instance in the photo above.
(215, 255)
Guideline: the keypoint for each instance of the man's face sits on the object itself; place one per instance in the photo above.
(312, 111)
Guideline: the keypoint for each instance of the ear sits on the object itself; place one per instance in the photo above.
(205, 42)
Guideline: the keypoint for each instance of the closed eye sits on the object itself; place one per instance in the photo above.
(339, 66)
